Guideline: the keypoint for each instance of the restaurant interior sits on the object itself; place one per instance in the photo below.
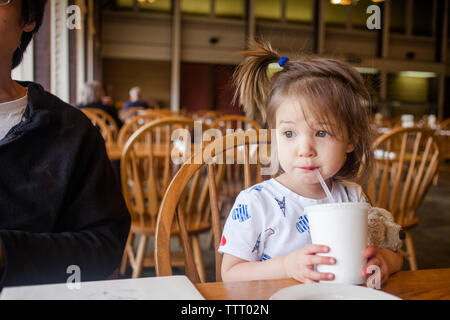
(175, 59)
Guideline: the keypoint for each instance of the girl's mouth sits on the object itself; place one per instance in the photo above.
(309, 168)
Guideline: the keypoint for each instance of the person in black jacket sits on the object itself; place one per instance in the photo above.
(60, 205)
(92, 95)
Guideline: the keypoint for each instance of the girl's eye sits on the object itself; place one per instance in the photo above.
(289, 134)
(322, 134)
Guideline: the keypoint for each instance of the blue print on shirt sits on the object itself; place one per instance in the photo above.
(258, 242)
(302, 224)
(282, 205)
(265, 257)
(240, 213)
(257, 188)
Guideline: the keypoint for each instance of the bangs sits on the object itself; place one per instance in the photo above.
(320, 104)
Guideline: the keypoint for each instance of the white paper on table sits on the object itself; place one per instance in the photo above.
(151, 288)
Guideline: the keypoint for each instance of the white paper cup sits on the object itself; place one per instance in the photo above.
(343, 228)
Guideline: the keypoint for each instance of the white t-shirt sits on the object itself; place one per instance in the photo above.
(268, 220)
(11, 114)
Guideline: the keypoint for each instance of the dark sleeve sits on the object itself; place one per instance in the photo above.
(90, 232)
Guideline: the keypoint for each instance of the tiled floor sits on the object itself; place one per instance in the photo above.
(431, 236)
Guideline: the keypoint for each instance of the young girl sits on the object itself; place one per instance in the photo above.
(317, 107)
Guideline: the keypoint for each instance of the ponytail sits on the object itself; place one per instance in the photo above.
(251, 79)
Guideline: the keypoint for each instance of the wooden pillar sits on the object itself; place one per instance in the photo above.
(444, 41)
(443, 60)
(176, 57)
(80, 42)
(42, 51)
(385, 29)
(251, 21)
(409, 17)
(59, 50)
(90, 41)
(319, 26)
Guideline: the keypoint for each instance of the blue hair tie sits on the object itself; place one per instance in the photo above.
(282, 61)
(275, 67)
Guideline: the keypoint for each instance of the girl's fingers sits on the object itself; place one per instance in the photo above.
(316, 248)
(369, 252)
(321, 260)
(317, 276)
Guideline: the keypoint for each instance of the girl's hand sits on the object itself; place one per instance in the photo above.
(375, 256)
(299, 264)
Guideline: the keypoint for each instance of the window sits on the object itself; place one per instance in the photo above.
(299, 11)
(145, 5)
(335, 15)
(230, 8)
(156, 5)
(125, 4)
(268, 9)
(196, 7)
(412, 92)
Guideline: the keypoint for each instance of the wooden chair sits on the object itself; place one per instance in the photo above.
(134, 123)
(234, 175)
(381, 125)
(146, 168)
(186, 198)
(207, 116)
(407, 159)
(234, 122)
(127, 114)
(104, 122)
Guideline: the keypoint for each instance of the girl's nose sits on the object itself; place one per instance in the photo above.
(306, 149)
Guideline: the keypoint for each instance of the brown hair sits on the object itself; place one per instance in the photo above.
(332, 90)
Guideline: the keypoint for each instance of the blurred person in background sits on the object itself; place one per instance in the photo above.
(93, 97)
(135, 99)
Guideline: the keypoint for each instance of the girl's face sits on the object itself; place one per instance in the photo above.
(306, 145)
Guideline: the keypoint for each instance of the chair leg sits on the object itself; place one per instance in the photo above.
(436, 179)
(123, 265)
(142, 247)
(198, 257)
(411, 252)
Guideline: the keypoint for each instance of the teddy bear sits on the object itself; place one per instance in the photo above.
(383, 231)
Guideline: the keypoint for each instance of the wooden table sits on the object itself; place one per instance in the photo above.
(431, 284)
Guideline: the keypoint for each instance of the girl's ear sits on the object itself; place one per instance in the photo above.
(29, 26)
(350, 148)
